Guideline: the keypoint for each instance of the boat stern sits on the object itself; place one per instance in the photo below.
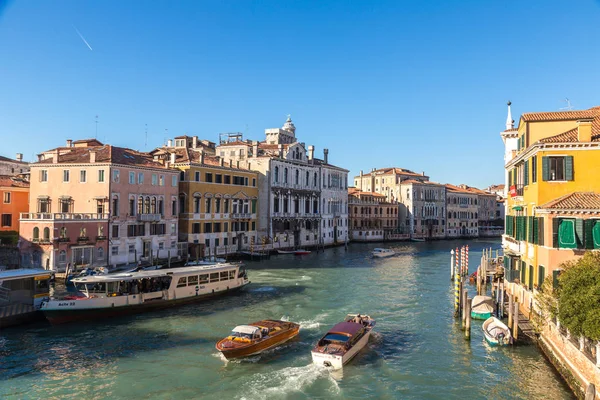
(327, 360)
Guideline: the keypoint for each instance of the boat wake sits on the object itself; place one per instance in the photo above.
(307, 324)
(263, 289)
(286, 381)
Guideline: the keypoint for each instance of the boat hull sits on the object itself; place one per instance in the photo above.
(480, 315)
(61, 316)
(494, 324)
(260, 347)
(334, 361)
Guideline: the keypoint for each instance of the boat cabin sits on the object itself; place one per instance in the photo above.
(21, 294)
(247, 332)
(344, 333)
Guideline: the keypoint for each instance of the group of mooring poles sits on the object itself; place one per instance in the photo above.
(459, 270)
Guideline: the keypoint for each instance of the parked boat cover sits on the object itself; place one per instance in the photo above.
(482, 304)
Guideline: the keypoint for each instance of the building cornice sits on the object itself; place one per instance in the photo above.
(537, 147)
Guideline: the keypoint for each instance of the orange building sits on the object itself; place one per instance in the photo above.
(14, 199)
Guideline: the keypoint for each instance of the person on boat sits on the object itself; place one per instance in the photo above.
(358, 319)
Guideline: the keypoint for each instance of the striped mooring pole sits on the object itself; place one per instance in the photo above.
(467, 260)
(457, 285)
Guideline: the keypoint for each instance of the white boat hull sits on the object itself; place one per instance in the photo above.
(336, 361)
(383, 255)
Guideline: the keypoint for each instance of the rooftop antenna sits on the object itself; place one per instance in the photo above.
(146, 137)
(96, 127)
(166, 135)
(569, 107)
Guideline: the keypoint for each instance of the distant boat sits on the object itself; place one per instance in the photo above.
(496, 333)
(417, 240)
(381, 253)
(301, 252)
(286, 251)
(254, 338)
(482, 307)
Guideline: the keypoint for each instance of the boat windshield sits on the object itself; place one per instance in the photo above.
(241, 335)
(336, 337)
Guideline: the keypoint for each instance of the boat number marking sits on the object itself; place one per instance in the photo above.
(72, 303)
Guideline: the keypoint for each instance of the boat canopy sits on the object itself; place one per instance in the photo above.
(482, 304)
(380, 250)
(23, 273)
(350, 328)
(247, 329)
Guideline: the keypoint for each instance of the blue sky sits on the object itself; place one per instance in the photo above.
(420, 85)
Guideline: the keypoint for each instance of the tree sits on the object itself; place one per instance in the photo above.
(579, 296)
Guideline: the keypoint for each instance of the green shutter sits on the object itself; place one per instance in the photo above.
(530, 277)
(555, 225)
(541, 275)
(509, 179)
(569, 168)
(567, 238)
(596, 234)
(536, 231)
(541, 231)
(530, 229)
(555, 275)
(545, 168)
(588, 234)
(514, 176)
(253, 206)
(506, 265)
(522, 270)
(533, 169)
(526, 173)
(579, 232)
(519, 144)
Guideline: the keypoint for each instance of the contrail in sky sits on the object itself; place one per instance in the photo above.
(82, 38)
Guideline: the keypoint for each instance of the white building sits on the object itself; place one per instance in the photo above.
(334, 201)
(509, 137)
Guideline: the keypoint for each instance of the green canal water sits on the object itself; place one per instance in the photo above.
(417, 351)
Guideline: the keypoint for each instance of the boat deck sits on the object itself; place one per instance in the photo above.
(12, 310)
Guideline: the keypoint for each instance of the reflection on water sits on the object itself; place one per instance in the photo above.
(417, 350)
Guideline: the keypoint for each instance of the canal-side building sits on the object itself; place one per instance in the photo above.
(93, 204)
(290, 187)
(14, 200)
(371, 217)
(334, 201)
(553, 193)
(462, 208)
(12, 167)
(488, 224)
(422, 209)
(217, 200)
(387, 181)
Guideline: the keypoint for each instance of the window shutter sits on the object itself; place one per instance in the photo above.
(522, 269)
(526, 173)
(569, 168)
(588, 234)
(545, 168)
(579, 233)
(555, 275)
(530, 277)
(514, 176)
(530, 229)
(555, 225)
(541, 275)
(536, 230)
(541, 231)
(509, 179)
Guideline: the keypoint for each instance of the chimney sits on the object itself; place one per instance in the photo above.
(237, 164)
(584, 130)
(280, 148)
(230, 163)
(311, 152)
(221, 162)
(201, 157)
(360, 181)
(169, 143)
(325, 155)
(19, 156)
(173, 158)
(92, 156)
(255, 148)
(55, 157)
(423, 173)
(69, 143)
(195, 142)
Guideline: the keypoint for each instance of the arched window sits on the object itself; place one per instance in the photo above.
(140, 208)
(276, 175)
(182, 176)
(297, 177)
(100, 253)
(63, 232)
(46, 234)
(355, 210)
(380, 210)
(375, 210)
(196, 204)
(147, 205)
(62, 257)
(285, 175)
(161, 207)
(454, 214)
(315, 180)
(307, 178)
(36, 233)
(153, 206)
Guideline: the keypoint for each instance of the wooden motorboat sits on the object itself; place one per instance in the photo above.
(343, 341)
(254, 338)
(496, 333)
(301, 252)
(286, 251)
(417, 240)
(482, 307)
(381, 253)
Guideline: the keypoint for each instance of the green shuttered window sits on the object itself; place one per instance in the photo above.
(541, 275)
(545, 168)
(569, 168)
(530, 229)
(566, 234)
(526, 173)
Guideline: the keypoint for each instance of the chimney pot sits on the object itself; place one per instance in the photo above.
(195, 142)
(325, 155)
(230, 163)
(280, 148)
(92, 156)
(221, 161)
(237, 164)
(169, 143)
(584, 130)
(19, 156)
(172, 158)
(69, 142)
(201, 157)
(311, 152)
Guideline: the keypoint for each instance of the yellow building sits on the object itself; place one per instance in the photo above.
(553, 203)
(217, 201)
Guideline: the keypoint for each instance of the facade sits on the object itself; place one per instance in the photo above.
(489, 224)
(371, 217)
(290, 182)
(462, 207)
(387, 181)
(14, 199)
(422, 209)
(553, 208)
(12, 167)
(217, 201)
(94, 205)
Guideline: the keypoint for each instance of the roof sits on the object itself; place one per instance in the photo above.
(395, 170)
(22, 273)
(414, 181)
(247, 329)
(6, 159)
(458, 189)
(89, 142)
(236, 143)
(575, 201)
(13, 181)
(350, 328)
(559, 115)
(355, 192)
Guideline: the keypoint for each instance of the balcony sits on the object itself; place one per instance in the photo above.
(516, 190)
(63, 240)
(63, 216)
(241, 215)
(99, 238)
(149, 217)
(83, 239)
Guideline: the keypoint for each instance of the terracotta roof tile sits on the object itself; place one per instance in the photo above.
(356, 192)
(11, 160)
(13, 181)
(575, 201)
(104, 154)
(559, 115)
(236, 143)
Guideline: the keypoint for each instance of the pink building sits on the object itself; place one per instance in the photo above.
(95, 205)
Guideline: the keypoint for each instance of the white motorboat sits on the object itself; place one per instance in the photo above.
(127, 293)
(381, 253)
(496, 333)
(342, 342)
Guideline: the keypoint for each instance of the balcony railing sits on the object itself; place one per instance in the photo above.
(63, 216)
(516, 190)
(241, 215)
(149, 217)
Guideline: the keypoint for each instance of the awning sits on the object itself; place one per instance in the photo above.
(43, 197)
(65, 197)
(517, 208)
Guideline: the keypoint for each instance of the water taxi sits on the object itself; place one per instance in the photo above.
(254, 338)
(342, 342)
(133, 292)
(22, 292)
(381, 253)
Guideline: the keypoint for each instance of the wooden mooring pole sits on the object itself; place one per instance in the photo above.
(510, 310)
(468, 323)
(516, 320)
(456, 286)
(452, 265)
(464, 308)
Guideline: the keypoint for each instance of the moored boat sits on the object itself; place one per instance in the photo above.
(301, 252)
(417, 239)
(381, 253)
(22, 291)
(482, 307)
(286, 251)
(343, 341)
(496, 333)
(254, 338)
(127, 293)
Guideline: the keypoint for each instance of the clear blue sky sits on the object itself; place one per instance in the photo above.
(421, 84)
